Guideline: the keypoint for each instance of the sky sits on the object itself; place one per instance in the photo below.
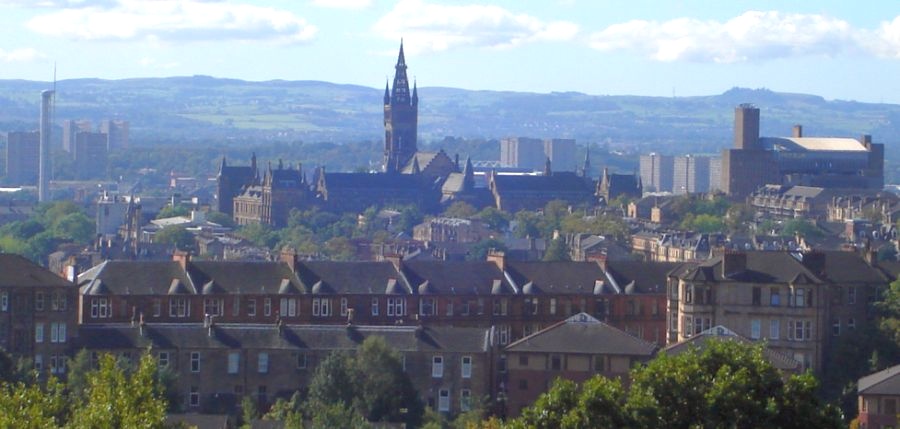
(836, 49)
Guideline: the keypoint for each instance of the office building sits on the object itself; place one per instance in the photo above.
(657, 172)
(116, 131)
(690, 174)
(70, 129)
(23, 157)
(91, 156)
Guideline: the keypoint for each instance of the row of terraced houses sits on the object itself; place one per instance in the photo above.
(490, 333)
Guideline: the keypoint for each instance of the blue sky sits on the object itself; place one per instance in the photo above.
(837, 49)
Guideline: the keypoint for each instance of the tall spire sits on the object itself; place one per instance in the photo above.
(547, 170)
(400, 91)
(387, 92)
(586, 168)
(415, 96)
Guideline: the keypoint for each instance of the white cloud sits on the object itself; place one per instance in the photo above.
(174, 21)
(343, 4)
(431, 27)
(885, 41)
(35, 4)
(751, 36)
(21, 55)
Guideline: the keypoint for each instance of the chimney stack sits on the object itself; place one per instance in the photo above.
(798, 131)
(182, 257)
(498, 257)
(733, 263)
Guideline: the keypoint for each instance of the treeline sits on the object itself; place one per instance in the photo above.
(50, 225)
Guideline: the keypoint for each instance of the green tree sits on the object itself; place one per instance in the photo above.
(176, 235)
(551, 408)
(221, 219)
(259, 234)
(528, 224)
(496, 220)
(7, 366)
(557, 250)
(340, 249)
(385, 391)
(333, 381)
(75, 227)
(801, 227)
(329, 416)
(32, 406)
(479, 250)
(460, 209)
(173, 211)
(117, 398)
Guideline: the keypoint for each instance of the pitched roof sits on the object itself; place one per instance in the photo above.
(288, 337)
(884, 382)
(720, 333)
(236, 277)
(17, 271)
(457, 277)
(761, 267)
(134, 277)
(646, 277)
(350, 277)
(582, 333)
(565, 182)
(372, 180)
(555, 277)
(850, 267)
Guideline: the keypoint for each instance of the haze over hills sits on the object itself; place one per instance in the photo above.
(206, 109)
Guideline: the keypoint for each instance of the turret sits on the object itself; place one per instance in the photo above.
(415, 96)
(387, 93)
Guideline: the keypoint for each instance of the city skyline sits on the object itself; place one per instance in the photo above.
(833, 49)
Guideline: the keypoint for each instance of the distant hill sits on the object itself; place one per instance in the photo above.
(206, 109)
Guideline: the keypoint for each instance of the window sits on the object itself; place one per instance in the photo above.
(426, 306)
(851, 323)
(444, 400)
(757, 295)
(480, 305)
(501, 306)
(38, 362)
(774, 297)
(754, 329)
(58, 301)
(39, 332)
(267, 307)
(262, 363)
(374, 306)
(600, 363)
(157, 307)
(851, 295)
(194, 397)
(162, 359)
(396, 307)
(504, 334)
(449, 308)
(101, 308)
(556, 362)
(58, 332)
(4, 301)
(774, 329)
(799, 330)
(57, 364)
(466, 367)
(288, 307)
(321, 307)
(344, 306)
(799, 298)
(178, 307)
(214, 306)
(688, 294)
(835, 326)
(465, 308)
(301, 361)
(39, 301)
(437, 366)
(195, 361)
(553, 306)
(465, 400)
(251, 307)
(234, 362)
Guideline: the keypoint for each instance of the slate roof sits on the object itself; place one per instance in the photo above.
(762, 267)
(583, 334)
(885, 382)
(350, 277)
(17, 271)
(566, 182)
(777, 359)
(135, 277)
(555, 277)
(422, 158)
(288, 337)
(644, 277)
(850, 267)
(236, 277)
(457, 277)
(379, 181)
